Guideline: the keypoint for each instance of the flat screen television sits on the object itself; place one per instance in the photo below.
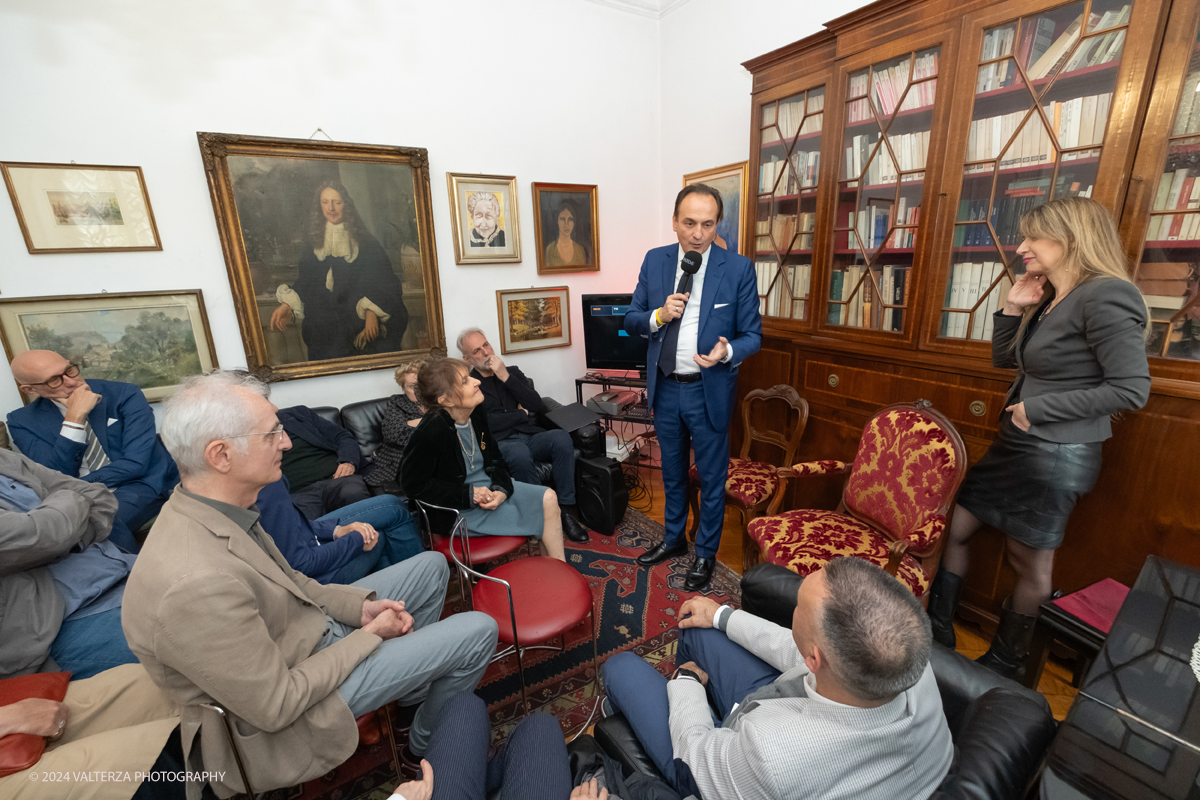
(605, 341)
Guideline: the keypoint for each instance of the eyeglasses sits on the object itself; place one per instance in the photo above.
(276, 433)
(53, 383)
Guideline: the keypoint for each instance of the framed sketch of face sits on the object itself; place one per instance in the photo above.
(484, 215)
(568, 227)
(329, 248)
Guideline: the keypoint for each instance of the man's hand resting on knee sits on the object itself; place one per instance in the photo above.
(387, 619)
(702, 611)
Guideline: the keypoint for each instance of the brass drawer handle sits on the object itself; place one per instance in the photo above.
(834, 380)
(978, 408)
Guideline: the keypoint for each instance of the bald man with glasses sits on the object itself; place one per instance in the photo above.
(98, 431)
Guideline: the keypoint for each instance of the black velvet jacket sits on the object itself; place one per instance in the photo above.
(434, 469)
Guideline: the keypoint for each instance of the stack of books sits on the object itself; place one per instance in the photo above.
(968, 283)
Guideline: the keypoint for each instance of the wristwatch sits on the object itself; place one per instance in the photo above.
(684, 672)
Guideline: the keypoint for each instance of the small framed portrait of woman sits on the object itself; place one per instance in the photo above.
(330, 252)
(483, 212)
(568, 227)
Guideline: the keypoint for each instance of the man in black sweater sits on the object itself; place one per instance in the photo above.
(510, 401)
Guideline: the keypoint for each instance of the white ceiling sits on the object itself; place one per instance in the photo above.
(655, 9)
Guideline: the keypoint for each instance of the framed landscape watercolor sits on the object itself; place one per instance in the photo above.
(567, 225)
(81, 208)
(485, 218)
(533, 319)
(151, 339)
(733, 182)
(329, 249)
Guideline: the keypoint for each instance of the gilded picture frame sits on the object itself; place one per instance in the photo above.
(151, 339)
(567, 227)
(533, 319)
(485, 218)
(81, 208)
(330, 252)
(733, 182)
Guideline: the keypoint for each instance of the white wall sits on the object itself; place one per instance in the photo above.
(547, 90)
(705, 89)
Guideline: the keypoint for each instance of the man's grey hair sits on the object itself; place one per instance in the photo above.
(876, 634)
(205, 409)
(462, 338)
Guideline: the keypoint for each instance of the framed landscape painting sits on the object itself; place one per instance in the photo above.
(567, 227)
(151, 339)
(733, 182)
(77, 208)
(534, 319)
(329, 249)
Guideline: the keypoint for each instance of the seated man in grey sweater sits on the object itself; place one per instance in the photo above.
(844, 705)
(61, 580)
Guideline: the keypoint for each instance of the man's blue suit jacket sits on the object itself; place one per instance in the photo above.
(729, 308)
(123, 423)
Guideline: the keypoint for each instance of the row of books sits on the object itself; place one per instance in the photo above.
(790, 118)
(968, 283)
(782, 293)
(781, 228)
(887, 86)
(1187, 119)
(864, 308)
(873, 222)
(909, 148)
(806, 168)
(1077, 123)
(1177, 190)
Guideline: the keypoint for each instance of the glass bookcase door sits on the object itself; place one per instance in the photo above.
(1043, 93)
(1169, 272)
(789, 168)
(888, 116)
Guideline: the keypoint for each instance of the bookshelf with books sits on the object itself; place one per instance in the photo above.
(916, 223)
(789, 169)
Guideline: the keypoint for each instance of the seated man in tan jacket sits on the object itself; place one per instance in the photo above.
(216, 615)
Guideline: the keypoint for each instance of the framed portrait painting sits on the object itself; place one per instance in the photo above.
(567, 227)
(733, 182)
(151, 339)
(533, 319)
(78, 208)
(329, 248)
(485, 218)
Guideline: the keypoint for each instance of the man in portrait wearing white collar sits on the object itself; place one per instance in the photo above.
(697, 340)
(99, 431)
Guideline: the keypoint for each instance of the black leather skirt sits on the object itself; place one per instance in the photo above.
(1027, 487)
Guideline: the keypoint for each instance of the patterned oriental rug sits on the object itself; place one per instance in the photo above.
(636, 610)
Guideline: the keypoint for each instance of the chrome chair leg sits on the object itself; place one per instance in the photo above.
(237, 755)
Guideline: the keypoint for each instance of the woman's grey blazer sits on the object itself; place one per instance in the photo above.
(1085, 361)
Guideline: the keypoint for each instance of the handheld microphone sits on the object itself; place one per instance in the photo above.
(691, 265)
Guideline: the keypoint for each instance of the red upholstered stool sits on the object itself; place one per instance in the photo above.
(1080, 620)
(479, 549)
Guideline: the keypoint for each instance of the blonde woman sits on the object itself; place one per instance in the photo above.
(1073, 326)
(400, 417)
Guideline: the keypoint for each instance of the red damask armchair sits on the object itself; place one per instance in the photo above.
(894, 506)
(775, 417)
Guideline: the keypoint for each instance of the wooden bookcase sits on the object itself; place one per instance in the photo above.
(896, 151)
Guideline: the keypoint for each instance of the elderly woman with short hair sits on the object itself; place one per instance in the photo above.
(400, 418)
(452, 460)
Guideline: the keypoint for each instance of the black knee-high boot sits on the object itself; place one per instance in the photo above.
(1010, 646)
(943, 600)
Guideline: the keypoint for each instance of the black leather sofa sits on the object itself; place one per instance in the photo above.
(1000, 729)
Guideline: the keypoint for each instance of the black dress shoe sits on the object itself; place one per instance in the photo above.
(661, 552)
(699, 575)
(573, 529)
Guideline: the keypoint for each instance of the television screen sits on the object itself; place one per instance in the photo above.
(605, 341)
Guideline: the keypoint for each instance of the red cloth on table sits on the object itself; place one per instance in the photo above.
(1097, 605)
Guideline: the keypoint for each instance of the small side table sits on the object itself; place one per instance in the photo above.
(1082, 620)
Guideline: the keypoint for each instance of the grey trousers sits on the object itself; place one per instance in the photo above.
(433, 662)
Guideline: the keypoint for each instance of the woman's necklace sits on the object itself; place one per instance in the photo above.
(470, 429)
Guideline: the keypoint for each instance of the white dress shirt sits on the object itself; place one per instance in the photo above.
(689, 323)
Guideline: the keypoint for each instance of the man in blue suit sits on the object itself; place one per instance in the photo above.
(697, 341)
(99, 431)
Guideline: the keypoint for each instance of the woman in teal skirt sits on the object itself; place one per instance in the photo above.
(452, 460)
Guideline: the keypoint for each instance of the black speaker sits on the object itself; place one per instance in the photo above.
(600, 493)
(589, 440)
